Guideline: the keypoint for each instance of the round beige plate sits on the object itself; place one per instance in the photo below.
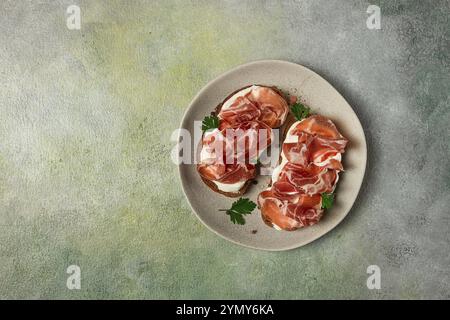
(323, 99)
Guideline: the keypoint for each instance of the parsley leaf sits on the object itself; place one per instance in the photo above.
(210, 122)
(300, 111)
(240, 208)
(327, 200)
(236, 217)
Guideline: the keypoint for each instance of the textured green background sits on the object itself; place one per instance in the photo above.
(85, 122)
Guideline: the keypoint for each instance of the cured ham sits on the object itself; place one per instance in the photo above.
(246, 119)
(310, 166)
(229, 155)
(255, 103)
(227, 173)
(319, 142)
(289, 214)
(310, 179)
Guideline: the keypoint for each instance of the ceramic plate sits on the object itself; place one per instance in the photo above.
(323, 99)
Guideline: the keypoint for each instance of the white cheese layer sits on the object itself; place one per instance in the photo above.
(230, 187)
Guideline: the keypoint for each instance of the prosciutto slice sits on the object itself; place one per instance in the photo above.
(310, 167)
(289, 215)
(310, 179)
(229, 153)
(227, 173)
(255, 103)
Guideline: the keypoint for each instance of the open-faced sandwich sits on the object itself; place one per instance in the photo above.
(302, 184)
(246, 116)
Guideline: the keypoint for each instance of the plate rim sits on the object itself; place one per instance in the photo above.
(183, 126)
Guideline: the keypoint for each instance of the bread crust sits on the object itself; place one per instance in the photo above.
(216, 111)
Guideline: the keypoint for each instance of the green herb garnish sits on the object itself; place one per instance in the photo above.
(255, 161)
(300, 111)
(210, 122)
(240, 208)
(327, 200)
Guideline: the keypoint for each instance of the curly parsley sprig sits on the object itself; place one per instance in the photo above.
(210, 122)
(327, 200)
(300, 111)
(240, 208)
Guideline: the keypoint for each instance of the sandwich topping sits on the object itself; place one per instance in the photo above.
(304, 181)
(229, 153)
(255, 103)
(308, 172)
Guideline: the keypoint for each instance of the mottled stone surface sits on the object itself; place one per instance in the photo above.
(85, 124)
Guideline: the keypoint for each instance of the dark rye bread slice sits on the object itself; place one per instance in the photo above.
(216, 111)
